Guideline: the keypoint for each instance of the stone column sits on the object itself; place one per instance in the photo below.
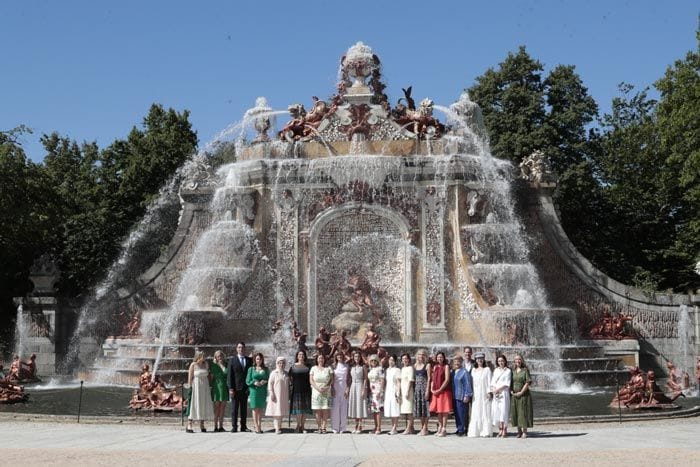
(432, 308)
(287, 219)
(36, 318)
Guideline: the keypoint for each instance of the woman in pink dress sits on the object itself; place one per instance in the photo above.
(278, 394)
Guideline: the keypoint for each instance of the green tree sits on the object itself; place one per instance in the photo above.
(23, 222)
(512, 101)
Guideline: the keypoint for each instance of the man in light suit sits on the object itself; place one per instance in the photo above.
(237, 388)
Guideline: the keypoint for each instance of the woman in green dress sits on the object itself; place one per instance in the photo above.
(219, 389)
(257, 377)
(521, 414)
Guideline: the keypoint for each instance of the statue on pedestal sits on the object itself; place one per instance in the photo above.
(153, 394)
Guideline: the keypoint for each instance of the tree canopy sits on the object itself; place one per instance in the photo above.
(635, 170)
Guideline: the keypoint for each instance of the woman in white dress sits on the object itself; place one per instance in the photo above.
(201, 405)
(500, 388)
(408, 380)
(357, 400)
(278, 394)
(392, 394)
(480, 421)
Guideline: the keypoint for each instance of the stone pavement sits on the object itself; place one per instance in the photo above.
(671, 442)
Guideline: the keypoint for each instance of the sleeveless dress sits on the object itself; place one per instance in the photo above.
(420, 405)
(301, 390)
(257, 396)
(322, 378)
(357, 405)
(407, 377)
(219, 387)
(440, 403)
(201, 406)
(376, 389)
(392, 392)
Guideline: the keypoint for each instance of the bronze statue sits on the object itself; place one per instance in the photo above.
(340, 344)
(673, 383)
(322, 342)
(299, 337)
(11, 393)
(153, 394)
(610, 327)
(370, 344)
(633, 392)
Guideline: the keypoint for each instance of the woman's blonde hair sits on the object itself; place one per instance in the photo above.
(217, 353)
(198, 355)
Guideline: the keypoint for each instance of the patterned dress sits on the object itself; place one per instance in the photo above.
(376, 389)
(322, 378)
(301, 389)
(420, 405)
(357, 405)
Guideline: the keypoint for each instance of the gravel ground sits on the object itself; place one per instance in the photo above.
(661, 442)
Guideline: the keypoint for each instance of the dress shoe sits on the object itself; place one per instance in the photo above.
(245, 429)
(189, 430)
(234, 430)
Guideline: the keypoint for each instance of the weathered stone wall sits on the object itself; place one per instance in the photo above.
(657, 319)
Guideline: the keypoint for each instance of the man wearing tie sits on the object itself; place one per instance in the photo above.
(238, 391)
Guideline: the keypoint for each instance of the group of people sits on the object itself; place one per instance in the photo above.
(482, 400)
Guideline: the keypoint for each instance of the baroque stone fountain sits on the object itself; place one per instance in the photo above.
(358, 212)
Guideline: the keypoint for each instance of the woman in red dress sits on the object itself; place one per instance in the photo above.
(441, 391)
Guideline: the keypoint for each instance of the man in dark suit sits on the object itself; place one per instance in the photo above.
(237, 389)
(468, 364)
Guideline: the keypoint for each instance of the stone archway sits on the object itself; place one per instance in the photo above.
(373, 240)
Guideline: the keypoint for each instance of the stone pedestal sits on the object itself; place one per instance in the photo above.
(37, 331)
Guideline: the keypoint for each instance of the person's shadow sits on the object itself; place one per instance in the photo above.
(550, 434)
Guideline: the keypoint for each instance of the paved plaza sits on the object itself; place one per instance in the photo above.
(47, 442)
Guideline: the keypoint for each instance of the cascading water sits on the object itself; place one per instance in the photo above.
(494, 237)
(20, 331)
(103, 297)
(356, 213)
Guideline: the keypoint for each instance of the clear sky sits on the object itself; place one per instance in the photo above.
(90, 69)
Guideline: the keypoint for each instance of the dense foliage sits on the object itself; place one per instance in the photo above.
(81, 202)
(629, 181)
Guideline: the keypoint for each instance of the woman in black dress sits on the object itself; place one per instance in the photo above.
(301, 390)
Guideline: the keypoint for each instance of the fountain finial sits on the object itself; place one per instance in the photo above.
(359, 62)
(261, 119)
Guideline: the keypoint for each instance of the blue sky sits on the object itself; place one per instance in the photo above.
(90, 70)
